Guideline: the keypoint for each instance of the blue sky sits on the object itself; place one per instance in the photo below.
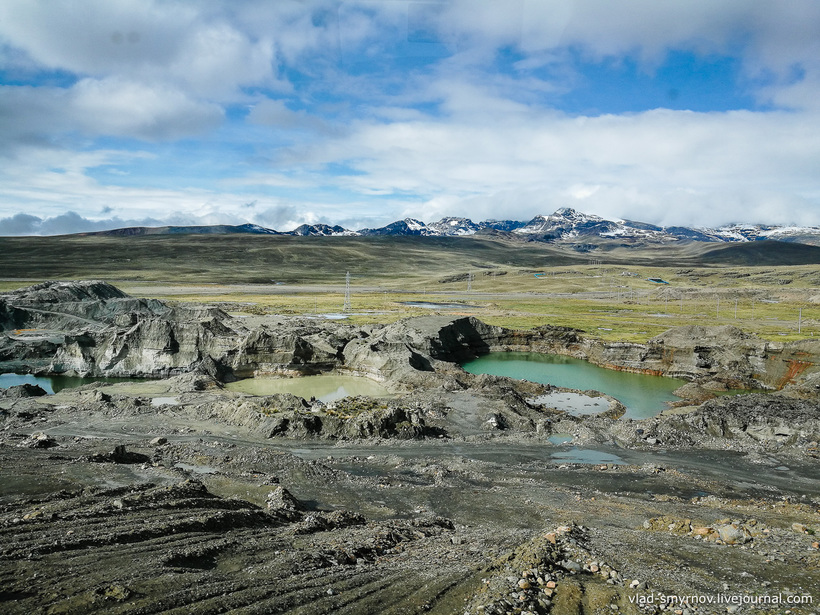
(359, 113)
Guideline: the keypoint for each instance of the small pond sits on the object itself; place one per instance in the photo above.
(585, 455)
(324, 387)
(576, 404)
(55, 384)
(644, 396)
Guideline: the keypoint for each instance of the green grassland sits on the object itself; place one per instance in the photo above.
(260, 259)
(630, 308)
(514, 284)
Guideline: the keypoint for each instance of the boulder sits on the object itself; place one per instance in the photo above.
(731, 534)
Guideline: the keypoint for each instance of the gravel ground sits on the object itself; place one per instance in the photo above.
(105, 511)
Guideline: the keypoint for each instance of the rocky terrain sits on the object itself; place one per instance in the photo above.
(459, 493)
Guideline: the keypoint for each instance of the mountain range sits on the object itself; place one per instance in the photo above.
(565, 226)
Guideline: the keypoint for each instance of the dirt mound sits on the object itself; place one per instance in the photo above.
(66, 292)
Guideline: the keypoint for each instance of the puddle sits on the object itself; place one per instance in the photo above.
(586, 455)
(196, 469)
(576, 404)
(560, 438)
(164, 401)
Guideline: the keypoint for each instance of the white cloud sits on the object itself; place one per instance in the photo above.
(165, 70)
(57, 186)
(107, 107)
(62, 224)
(97, 37)
(118, 107)
(275, 113)
(154, 43)
(20, 224)
(770, 41)
(735, 163)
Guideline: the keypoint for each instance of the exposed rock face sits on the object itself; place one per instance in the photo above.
(713, 355)
(691, 352)
(300, 346)
(763, 418)
(753, 422)
(418, 344)
(92, 328)
(71, 305)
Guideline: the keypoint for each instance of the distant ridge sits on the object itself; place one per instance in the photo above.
(766, 252)
(566, 226)
(215, 229)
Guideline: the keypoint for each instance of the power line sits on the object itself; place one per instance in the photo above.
(346, 307)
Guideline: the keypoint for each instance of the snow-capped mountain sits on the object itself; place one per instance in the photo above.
(320, 230)
(408, 226)
(254, 229)
(454, 226)
(502, 225)
(756, 232)
(564, 226)
(567, 223)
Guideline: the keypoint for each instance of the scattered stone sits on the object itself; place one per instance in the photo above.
(116, 592)
(282, 500)
(571, 565)
(119, 455)
(731, 534)
(39, 440)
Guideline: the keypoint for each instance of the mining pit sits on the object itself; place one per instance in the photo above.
(457, 493)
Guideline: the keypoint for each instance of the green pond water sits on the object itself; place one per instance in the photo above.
(644, 396)
(324, 387)
(54, 384)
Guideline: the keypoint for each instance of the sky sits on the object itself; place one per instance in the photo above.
(360, 112)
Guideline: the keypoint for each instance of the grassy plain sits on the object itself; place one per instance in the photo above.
(517, 284)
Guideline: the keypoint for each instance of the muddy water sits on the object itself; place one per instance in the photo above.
(54, 384)
(576, 404)
(325, 387)
(644, 396)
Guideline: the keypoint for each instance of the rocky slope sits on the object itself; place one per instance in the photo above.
(92, 328)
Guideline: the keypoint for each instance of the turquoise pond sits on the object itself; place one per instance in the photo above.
(644, 396)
